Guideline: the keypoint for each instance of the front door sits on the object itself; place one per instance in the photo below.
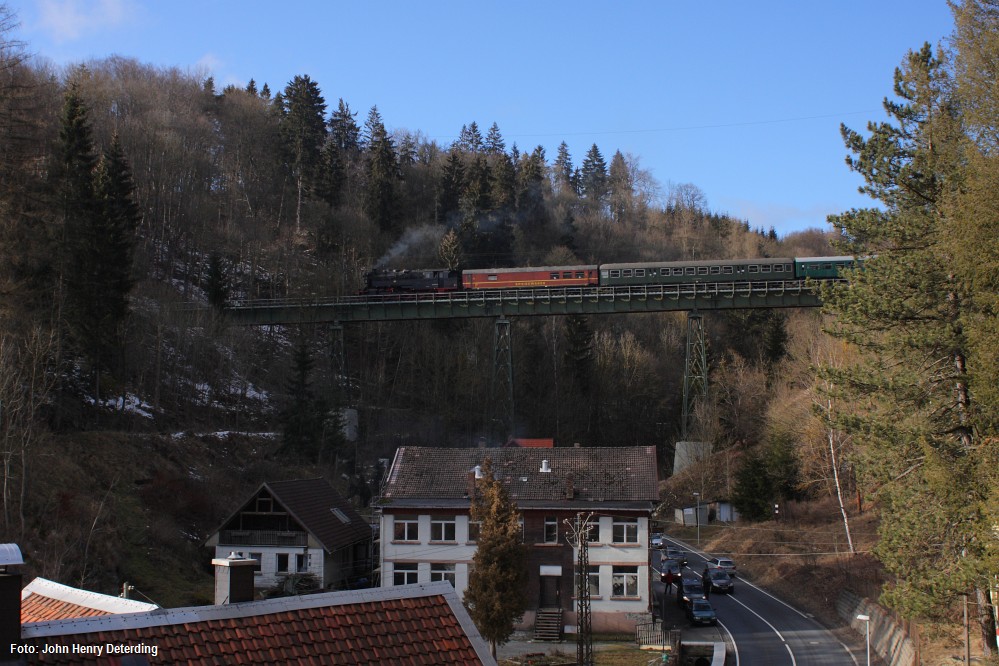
(550, 592)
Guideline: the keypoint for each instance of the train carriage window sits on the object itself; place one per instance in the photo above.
(567, 275)
(727, 270)
(615, 273)
(492, 278)
(828, 267)
(553, 276)
(626, 272)
(677, 271)
(702, 270)
(754, 269)
(689, 270)
(778, 268)
(766, 268)
(639, 272)
(787, 268)
(580, 274)
(715, 270)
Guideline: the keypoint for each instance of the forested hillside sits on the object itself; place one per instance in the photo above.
(128, 191)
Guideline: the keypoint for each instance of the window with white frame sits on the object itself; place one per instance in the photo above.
(624, 581)
(406, 528)
(551, 529)
(592, 580)
(302, 563)
(259, 557)
(442, 571)
(443, 528)
(626, 530)
(281, 563)
(405, 573)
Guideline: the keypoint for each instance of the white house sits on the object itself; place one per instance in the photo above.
(295, 528)
(427, 535)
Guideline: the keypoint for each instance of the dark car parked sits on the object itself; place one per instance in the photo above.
(673, 567)
(688, 590)
(700, 611)
(717, 580)
(678, 555)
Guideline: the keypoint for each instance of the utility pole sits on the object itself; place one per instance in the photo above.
(579, 539)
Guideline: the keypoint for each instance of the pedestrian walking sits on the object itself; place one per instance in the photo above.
(668, 579)
(706, 583)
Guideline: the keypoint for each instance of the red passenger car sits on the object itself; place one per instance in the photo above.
(530, 277)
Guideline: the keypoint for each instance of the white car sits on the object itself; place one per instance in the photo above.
(722, 563)
(656, 541)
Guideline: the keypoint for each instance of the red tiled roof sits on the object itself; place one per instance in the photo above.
(599, 474)
(417, 624)
(43, 599)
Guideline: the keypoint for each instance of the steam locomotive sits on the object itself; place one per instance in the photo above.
(380, 281)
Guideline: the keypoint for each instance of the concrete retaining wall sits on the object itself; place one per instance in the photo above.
(888, 639)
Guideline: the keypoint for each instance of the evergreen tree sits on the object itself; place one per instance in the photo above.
(265, 92)
(564, 173)
(303, 127)
(593, 179)
(752, 494)
(620, 188)
(470, 139)
(344, 132)
(530, 190)
(251, 87)
(99, 219)
(477, 197)
(382, 175)
(912, 408)
(217, 282)
(450, 187)
(504, 194)
(310, 425)
(496, 597)
(494, 142)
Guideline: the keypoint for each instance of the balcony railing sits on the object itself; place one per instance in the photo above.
(262, 538)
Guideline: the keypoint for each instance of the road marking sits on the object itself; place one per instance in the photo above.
(731, 641)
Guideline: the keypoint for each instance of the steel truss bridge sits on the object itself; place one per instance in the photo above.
(501, 304)
(690, 297)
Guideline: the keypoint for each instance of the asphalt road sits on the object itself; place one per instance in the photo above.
(760, 629)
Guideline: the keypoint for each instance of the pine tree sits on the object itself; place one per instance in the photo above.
(217, 282)
(470, 139)
(344, 132)
(496, 597)
(383, 175)
(563, 170)
(905, 310)
(504, 194)
(450, 187)
(620, 187)
(593, 179)
(303, 127)
(494, 142)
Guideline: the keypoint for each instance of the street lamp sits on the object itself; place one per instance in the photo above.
(866, 619)
(697, 517)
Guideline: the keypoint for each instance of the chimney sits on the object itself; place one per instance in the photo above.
(545, 467)
(470, 483)
(233, 579)
(10, 600)
(570, 490)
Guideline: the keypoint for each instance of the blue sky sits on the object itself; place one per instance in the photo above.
(741, 99)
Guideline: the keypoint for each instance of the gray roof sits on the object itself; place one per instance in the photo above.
(621, 475)
(311, 502)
